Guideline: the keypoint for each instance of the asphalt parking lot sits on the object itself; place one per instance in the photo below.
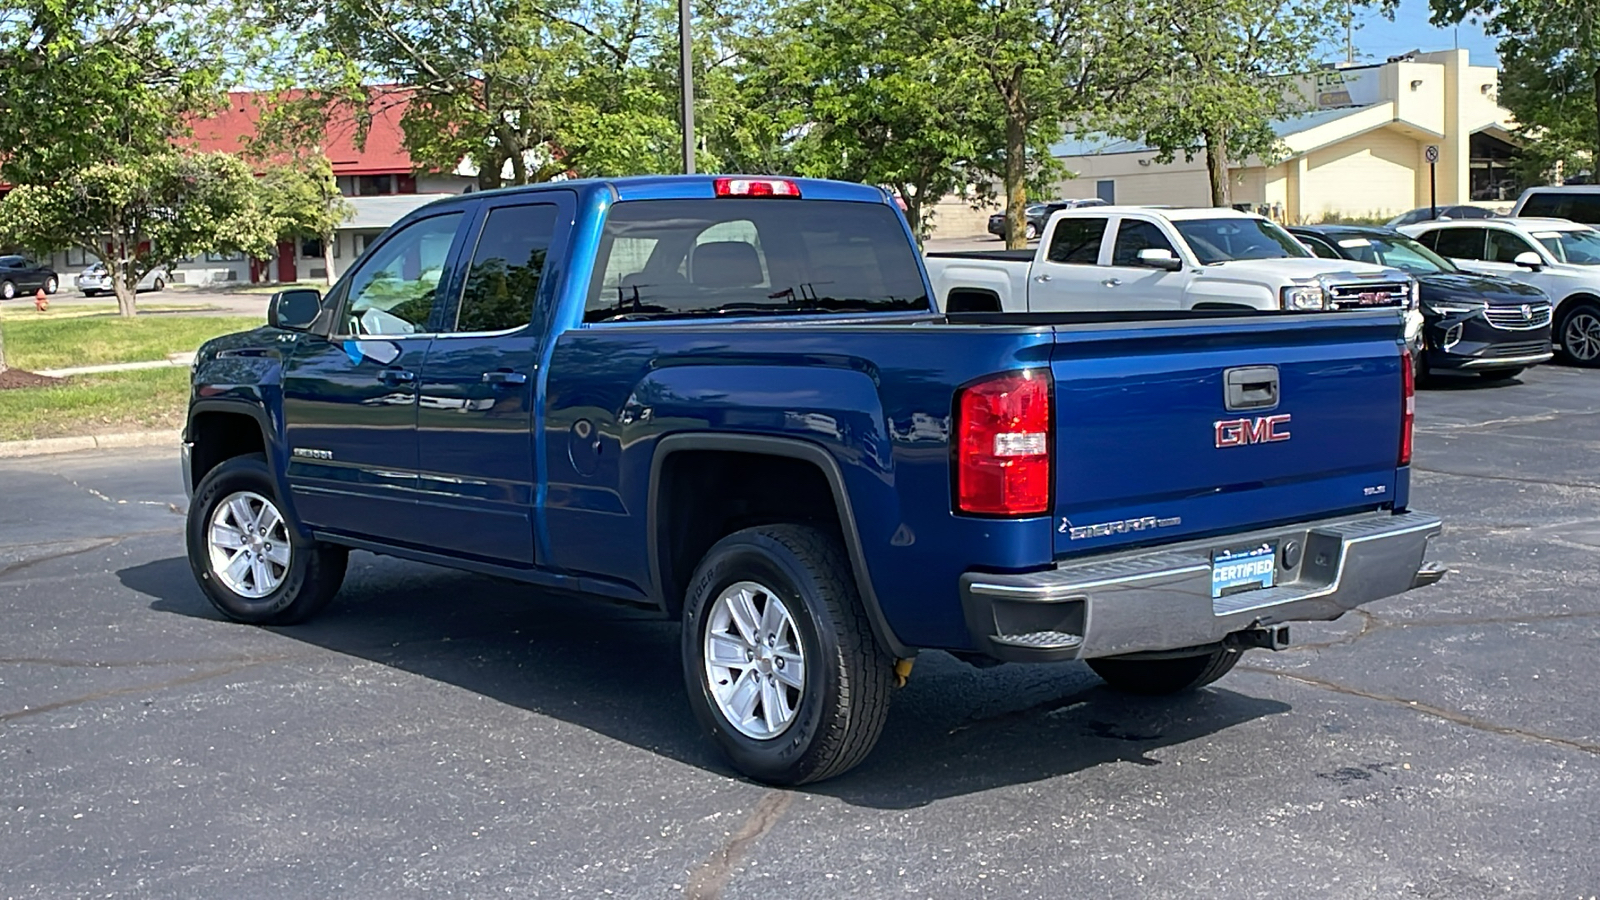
(437, 733)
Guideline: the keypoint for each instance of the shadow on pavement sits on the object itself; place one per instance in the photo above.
(953, 731)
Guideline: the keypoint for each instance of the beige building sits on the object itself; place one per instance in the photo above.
(1361, 151)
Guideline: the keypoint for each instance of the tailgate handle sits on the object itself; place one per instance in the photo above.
(1250, 387)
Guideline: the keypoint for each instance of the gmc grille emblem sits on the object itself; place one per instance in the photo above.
(1260, 430)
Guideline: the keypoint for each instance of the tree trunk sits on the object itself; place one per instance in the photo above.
(2, 348)
(1217, 165)
(1016, 180)
(1594, 163)
(327, 256)
(124, 289)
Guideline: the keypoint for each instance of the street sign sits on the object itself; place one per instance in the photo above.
(1431, 154)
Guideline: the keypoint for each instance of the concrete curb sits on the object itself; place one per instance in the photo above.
(125, 440)
(174, 359)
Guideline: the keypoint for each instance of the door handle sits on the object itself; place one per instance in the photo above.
(504, 376)
(1042, 278)
(1112, 282)
(397, 376)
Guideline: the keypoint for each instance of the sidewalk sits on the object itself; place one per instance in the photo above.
(173, 359)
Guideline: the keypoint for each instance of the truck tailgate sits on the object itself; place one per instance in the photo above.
(1148, 450)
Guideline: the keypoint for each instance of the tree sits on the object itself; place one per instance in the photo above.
(138, 217)
(858, 90)
(1224, 86)
(301, 197)
(1551, 53)
(84, 82)
(1044, 64)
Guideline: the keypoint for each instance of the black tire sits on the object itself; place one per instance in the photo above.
(1165, 676)
(8, 290)
(314, 571)
(847, 677)
(1501, 374)
(52, 284)
(1583, 312)
(158, 286)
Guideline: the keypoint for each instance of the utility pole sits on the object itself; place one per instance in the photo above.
(1350, 33)
(686, 57)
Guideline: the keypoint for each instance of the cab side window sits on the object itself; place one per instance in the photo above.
(503, 281)
(394, 289)
(1133, 236)
(1504, 246)
(1077, 241)
(1319, 248)
(1459, 243)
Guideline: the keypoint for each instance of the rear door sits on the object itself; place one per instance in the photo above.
(1067, 276)
(477, 387)
(1211, 426)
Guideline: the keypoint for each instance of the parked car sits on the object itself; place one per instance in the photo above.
(1476, 323)
(1426, 214)
(730, 400)
(1559, 257)
(21, 275)
(1575, 203)
(95, 280)
(1037, 214)
(1139, 258)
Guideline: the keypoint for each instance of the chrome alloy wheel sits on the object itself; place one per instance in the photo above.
(249, 545)
(754, 661)
(1582, 337)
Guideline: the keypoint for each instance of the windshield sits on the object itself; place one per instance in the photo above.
(1579, 248)
(1394, 250)
(1220, 240)
(680, 258)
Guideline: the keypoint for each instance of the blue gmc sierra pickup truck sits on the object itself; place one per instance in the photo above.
(732, 400)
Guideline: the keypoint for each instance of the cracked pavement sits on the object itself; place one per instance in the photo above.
(436, 733)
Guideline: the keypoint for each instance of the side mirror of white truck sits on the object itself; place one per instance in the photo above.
(1157, 258)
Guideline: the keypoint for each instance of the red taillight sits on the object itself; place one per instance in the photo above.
(1003, 445)
(1408, 405)
(755, 187)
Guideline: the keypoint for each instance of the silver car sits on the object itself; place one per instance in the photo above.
(95, 280)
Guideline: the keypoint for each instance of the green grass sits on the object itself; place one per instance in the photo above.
(58, 342)
(96, 404)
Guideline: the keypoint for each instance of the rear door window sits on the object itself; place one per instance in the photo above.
(1460, 243)
(502, 283)
(681, 258)
(1076, 241)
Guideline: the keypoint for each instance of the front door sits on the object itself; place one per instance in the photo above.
(1130, 284)
(288, 271)
(476, 397)
(350, 399)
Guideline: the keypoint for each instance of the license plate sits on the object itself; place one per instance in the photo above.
(1250, 569)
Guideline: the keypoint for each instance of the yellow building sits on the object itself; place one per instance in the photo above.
(1361, 151)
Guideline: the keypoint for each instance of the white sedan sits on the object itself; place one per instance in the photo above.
(95, 281)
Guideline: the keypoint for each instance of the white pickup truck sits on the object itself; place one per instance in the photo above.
(1142, 258)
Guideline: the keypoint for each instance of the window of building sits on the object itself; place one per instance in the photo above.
(503, 282)
(374, 185)
(1077, 241)
(310, 248)
(224, 257)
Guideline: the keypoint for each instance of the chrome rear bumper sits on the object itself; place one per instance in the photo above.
(1160, 599)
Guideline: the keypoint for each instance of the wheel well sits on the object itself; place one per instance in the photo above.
(705, 495)
(1574, 301)
(219, 436)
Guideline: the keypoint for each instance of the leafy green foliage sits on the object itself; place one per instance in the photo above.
(138, 217)
(1222, 86)
(1550, 51)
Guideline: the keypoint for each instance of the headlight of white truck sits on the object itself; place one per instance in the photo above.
(1303, 297)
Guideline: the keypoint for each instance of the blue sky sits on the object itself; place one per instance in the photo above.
(1377, 38)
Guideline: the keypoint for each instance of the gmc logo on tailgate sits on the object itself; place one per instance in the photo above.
(1260, 430)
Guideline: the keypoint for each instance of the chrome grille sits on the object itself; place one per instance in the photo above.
(1528, 315)
(1383, 293)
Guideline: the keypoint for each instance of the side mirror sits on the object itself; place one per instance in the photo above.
(294, 310)
(1528, 260)
(1157, 258)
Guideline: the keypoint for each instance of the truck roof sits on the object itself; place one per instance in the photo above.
(695, 187)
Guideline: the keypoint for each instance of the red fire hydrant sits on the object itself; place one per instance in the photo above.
(40, 301)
